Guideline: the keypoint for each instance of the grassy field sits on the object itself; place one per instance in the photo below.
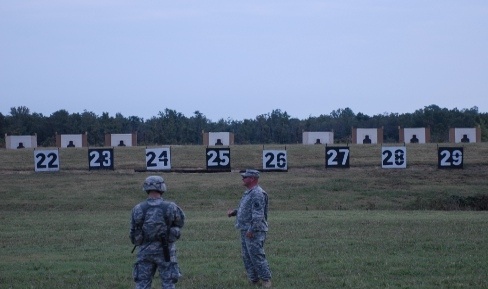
(362, 227)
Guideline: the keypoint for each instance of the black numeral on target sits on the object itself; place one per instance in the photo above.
(394, 157)
(158, 159)
(275, 160)
(46, 160)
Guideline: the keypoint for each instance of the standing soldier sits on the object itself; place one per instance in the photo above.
(155, 227)
(251, 220)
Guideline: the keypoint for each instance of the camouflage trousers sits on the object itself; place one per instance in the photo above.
(254, 257)
(145, 268)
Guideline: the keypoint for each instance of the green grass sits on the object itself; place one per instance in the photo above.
(363, 227)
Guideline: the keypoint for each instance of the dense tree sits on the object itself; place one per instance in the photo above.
(172, 127)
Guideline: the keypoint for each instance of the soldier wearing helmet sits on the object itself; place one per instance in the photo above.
(155, 226)
(251, 221)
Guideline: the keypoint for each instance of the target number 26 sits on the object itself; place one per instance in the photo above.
(275, 160)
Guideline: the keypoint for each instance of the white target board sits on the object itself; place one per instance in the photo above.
(20, 141)
(218, 138)
(121, 139)
(158, 159)
(71, 140)
(317, 137)
(414, 135)
(367, 135)
(46, 160)
(393, 157)
(275, 160)
(465, 135)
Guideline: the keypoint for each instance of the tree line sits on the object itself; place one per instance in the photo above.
(170, 127)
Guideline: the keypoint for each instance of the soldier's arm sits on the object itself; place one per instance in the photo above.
(258, 204)
(178, 221)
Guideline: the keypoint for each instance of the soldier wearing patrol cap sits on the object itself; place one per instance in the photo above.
(155, 227)
(251, 221)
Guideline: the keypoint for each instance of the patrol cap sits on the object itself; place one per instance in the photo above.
(154, 183)
(250, 173)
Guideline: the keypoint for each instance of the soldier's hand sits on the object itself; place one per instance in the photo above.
(231, 212)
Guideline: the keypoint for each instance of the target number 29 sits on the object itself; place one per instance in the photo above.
(450, 157)
(46, 160)
(275, 160)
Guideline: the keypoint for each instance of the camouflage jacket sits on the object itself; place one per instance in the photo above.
(252, 214)
(156, 219)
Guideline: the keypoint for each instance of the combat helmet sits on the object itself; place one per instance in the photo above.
(154, 183)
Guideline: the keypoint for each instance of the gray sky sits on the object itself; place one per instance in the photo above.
(240, 59)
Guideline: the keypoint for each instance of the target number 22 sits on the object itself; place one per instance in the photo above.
(46, 160)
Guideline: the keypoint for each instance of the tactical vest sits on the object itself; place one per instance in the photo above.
(154, 229)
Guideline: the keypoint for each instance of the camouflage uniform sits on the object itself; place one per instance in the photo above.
(151, 256)
(252, 216)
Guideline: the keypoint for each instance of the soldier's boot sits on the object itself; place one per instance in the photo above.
(254, 283)
(267, 284)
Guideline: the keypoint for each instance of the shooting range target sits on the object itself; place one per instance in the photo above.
(218, 159)
(275, 160)
(336, 157)
(101, 159)
(46, 160)
(450, 157)
(158, 159)
(393, 157)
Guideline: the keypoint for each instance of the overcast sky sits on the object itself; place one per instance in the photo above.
(240, 59)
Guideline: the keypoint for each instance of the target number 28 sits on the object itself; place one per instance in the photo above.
(393, 157)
